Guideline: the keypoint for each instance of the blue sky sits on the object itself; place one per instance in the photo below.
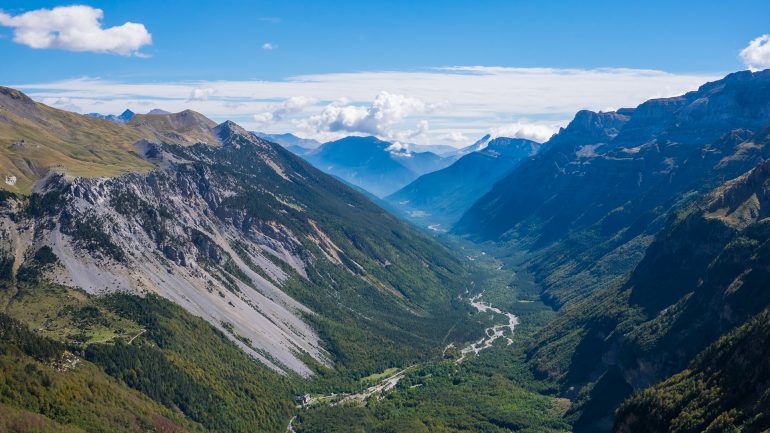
(218, 48)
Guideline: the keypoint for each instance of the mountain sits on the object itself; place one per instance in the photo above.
(158, 111)
(121, 118)
(589, 204)
(188, 127)
(290, 141)
(704, 275)
(373, 164)
(207, 272)
(419, 162)
(478, 145)
(438, 199)
(612, 222)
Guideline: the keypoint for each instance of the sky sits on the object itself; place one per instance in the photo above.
(427, 72)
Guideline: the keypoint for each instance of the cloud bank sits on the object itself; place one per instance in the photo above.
(75, 28)
(278, 112)
(453, 105)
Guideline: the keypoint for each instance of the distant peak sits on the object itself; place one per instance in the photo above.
(191, 117)
(229, 128)
(158, 111)
(230, 133)
(126, 115)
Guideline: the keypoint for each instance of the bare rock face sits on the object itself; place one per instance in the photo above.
(165, 232)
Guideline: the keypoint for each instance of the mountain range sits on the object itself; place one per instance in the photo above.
(438, 199)
(646, 273)
(123, 117)
(290, 141)
(377, 166)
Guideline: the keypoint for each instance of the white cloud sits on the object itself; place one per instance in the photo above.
(399, 148)
(75, 28)
(453, 137)
(268, 46)
(278, 112)
(461, 103)
(379, 118)
(201, 94)
(539, 132)
(62, 103)
(757, 54)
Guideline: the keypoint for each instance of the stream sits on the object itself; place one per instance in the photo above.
(491, 334)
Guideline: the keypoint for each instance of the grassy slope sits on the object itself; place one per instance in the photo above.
(79, 145)
(75, 398)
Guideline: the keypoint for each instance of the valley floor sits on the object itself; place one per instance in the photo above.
(478, 385)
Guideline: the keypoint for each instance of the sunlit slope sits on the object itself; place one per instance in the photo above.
(35, 138)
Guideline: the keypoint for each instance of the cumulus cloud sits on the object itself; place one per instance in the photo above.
(757, 54)
(539, 132)
(379, 118)
(278, 112)
(268, 46)
(399, 148)
(201, 94)
(75, 28)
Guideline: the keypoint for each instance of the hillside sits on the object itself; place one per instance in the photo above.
(704, 275)
(35, 138)
(723, 389)
(438, 199)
